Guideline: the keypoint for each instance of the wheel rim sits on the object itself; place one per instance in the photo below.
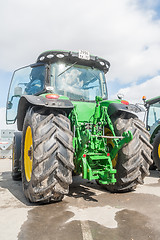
(159, 150)
(108, 132)
(28, 153)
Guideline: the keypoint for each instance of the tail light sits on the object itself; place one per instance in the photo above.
(52, 96)
(125, 102)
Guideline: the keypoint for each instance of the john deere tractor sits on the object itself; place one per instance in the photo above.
(153, 126)
(67, 124)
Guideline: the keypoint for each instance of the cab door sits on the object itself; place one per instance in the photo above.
(28, 80)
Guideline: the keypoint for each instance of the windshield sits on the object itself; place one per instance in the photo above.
(154, 116)
(78, 82)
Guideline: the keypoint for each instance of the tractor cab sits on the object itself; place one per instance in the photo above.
(77, 76)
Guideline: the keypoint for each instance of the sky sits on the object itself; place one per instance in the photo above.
(124, 32)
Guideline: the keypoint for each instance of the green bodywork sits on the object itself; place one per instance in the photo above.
(93, 157)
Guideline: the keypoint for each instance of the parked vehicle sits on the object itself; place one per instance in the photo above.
(66, 123)
(153, 126)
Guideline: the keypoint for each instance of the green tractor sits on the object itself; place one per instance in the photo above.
(66, 125)
(153, 126)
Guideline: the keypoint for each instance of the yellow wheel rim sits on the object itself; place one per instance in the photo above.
(159, 150)
(108, 132)
(28, 153)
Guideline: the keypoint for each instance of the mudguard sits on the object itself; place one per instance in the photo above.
(27, 101)
(114, 108)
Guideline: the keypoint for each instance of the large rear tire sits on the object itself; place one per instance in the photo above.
(134, 158)
(47, 156)
(16, 156)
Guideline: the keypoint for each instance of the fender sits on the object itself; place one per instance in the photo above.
(27, 101)
(115, 108)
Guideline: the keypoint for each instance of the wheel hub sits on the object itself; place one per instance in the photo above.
(30, 152)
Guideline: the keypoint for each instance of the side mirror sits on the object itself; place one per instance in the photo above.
(120, 95)
(18, 91)
(9, 105)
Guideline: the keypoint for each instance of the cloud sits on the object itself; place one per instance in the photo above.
(120, 31)
(135, 92)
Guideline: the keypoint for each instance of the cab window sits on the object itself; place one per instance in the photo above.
(25, 81)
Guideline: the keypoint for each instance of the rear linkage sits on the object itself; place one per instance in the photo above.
(93, 157)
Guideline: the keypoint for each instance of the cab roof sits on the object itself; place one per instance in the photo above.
(72, 57)
(153, 100)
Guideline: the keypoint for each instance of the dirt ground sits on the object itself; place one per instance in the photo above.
(87, 213)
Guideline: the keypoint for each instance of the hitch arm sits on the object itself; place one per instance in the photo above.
(127, 137)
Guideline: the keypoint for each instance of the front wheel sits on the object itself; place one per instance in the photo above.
(47, 156)
(134, 158)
